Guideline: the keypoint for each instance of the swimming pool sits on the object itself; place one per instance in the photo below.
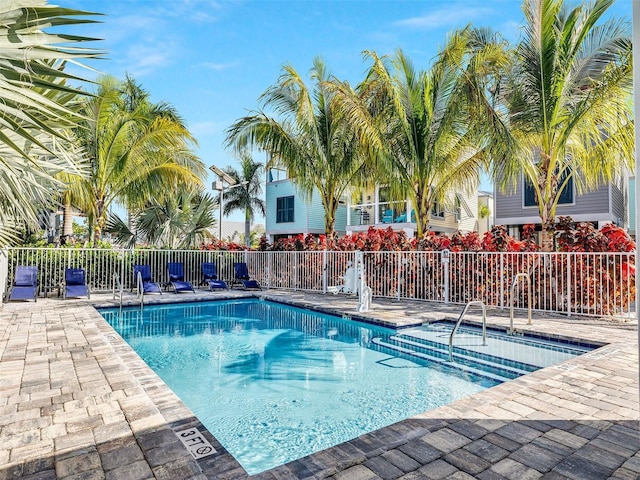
(274, 383)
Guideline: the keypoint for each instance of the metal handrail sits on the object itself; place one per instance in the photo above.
(116, 282)
(140, 288)
(484, 325)
(511, 292)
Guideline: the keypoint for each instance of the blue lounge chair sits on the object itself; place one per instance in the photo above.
(143, 272)
(25, 286)
(75, 283)
(210, 277)
(176, 278)
(242, 276)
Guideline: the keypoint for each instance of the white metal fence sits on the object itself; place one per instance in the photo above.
(600, 284)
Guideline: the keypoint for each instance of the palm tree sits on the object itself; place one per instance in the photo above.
(422, 127)
(135, 154)
(245, 197)
(566, 103)
(37, 108)
(308, 137)
(183, 221)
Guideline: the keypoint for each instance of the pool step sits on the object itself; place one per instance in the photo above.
(436, 359)
(462, 355)
(479, 357)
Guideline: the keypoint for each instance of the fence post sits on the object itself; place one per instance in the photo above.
(123, 254)
(501, 277)
(445, 266)
(568, 284)
(324, 271)
(295, 271)
(399, 265)
(4, 271)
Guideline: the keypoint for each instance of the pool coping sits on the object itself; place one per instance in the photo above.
(552, 404)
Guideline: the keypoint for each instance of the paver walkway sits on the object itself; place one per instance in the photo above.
(77, 403)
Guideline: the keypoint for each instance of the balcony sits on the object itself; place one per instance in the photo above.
(381, 215)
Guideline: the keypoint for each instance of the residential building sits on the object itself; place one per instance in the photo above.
(289, 214)
(606, 204)
(376, 207)
(486, 203)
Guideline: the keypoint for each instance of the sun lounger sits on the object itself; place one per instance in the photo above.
(242, 276)
(25, 285)
(176, 278)
(142, 275)
(210, 277)
(75, 283)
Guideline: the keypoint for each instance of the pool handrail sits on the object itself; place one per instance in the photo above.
(117, 283)
(140, 288)
(511, 292)
(484, 325)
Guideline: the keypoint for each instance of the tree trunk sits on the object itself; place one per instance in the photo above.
(547, 222)
(247, 228)
(329, 224)
(422, 221)
(330, 217)
(547, 217)
(100, 222)
(67, 220)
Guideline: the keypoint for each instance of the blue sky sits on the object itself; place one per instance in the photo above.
(213, 59)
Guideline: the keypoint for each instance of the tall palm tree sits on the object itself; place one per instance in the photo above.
(566, 103)
(422, 127)
(307, 137)
(37, 108)
(245, 197)
(135, 155)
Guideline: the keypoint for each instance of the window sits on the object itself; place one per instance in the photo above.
(566, 197)
(437, 210)
(284, 209)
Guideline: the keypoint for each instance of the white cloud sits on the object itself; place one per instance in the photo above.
(449, 16)
(144, 58)
(219, 66)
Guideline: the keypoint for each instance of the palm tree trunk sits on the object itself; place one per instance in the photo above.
(67, 220)
(100, 221)
(329, 223)
(247, 228)
(422, 221)
(546, 235)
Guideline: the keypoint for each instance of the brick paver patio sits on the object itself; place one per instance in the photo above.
(77, 403)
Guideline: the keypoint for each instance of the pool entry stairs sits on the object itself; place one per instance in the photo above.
(497, 355)
(411, 344)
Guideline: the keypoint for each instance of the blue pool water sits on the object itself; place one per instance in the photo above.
(274, 383)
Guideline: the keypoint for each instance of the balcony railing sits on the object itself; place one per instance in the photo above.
(380, 213)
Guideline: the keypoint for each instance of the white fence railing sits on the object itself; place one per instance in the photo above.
(600, 284)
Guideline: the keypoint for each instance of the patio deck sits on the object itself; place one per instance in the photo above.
(77, 403)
